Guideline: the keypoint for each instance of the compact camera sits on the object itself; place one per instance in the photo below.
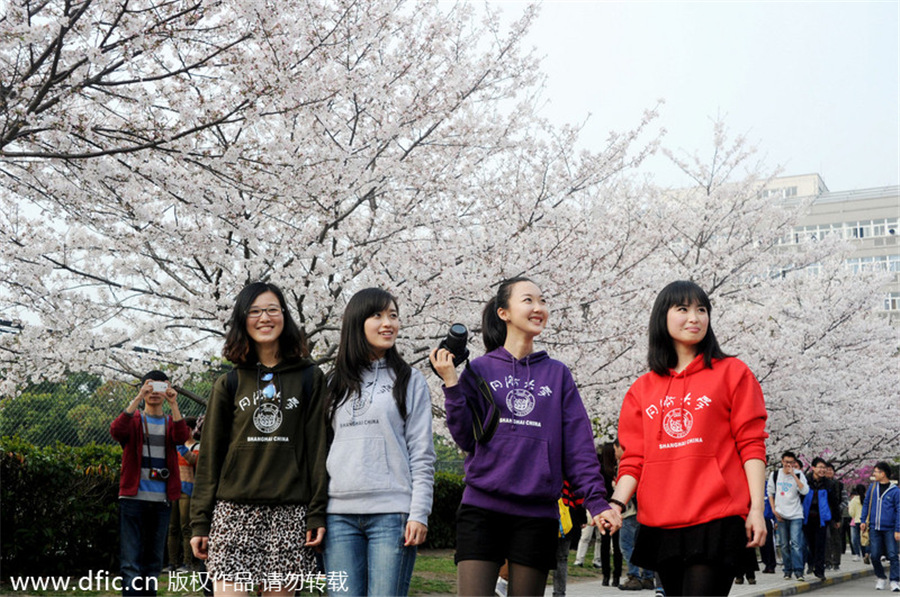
(455, 343)
(159, 386)
(159, 474)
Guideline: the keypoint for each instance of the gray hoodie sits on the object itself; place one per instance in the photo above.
(378, 463)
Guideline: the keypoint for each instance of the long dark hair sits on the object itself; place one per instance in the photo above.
(493, 329)
(608, 462)
(661, 355)
(355, 354)
(240, 349)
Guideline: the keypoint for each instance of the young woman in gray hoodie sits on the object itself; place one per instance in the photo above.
(381, 456)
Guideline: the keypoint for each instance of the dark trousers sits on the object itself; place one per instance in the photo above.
(143, 527)
(815, 542)
(768, 550)
(605, 542)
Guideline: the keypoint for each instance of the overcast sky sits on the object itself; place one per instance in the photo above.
(814, 85)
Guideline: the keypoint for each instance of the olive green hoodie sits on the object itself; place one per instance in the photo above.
(263, 450)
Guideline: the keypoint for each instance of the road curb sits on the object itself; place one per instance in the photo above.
(812, 585)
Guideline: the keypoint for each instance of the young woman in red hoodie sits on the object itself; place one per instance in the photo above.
(694, 435)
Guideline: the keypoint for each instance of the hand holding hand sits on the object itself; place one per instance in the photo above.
(608, 522)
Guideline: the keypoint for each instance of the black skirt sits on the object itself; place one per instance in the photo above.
(721, 542)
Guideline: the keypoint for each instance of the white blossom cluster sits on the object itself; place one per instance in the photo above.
(157, 156)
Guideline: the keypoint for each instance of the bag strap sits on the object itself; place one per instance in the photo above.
(231, 382)
(482, 428)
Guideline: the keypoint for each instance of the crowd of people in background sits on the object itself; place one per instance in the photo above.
(295, 463)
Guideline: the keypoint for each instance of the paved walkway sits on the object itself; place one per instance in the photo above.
(767, 585)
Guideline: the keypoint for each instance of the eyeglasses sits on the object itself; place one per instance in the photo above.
(271, 311)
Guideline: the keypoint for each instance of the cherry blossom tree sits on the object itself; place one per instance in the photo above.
(156, 156)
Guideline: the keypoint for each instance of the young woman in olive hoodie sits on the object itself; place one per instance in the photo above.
(258, 507)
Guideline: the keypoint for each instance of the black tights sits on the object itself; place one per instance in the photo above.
(478, 577)
(696, 579)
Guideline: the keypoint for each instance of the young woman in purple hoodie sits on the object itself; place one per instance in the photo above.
(513, 478)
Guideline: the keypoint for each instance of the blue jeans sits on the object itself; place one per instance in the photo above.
(626, 543)
(855, 547)
(790, 542)
(143, 528)
(366, 550)
(884, 543)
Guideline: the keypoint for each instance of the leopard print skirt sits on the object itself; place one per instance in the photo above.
(255, 543)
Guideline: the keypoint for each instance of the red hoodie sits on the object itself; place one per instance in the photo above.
(687, 436)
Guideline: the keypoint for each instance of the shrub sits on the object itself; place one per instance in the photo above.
(59, 514)
(448, 489)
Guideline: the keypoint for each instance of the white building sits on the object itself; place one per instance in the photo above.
(867, 217)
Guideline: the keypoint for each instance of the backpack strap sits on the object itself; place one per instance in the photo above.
(306, 380)
(231, 382)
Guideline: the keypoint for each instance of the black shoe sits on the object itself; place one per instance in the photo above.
(768, 571)
(615, 581)
(738, 580)
(605, 581)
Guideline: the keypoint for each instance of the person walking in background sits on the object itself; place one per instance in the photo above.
(258, 507)
(567, 505)
(855, 510)
(590, 533)
(882, 509)
(786, 488)
(767, 551)
(693, 429)
(180, 552)
(835, 535)
(605, 545)
(381, 455)
(820, 507)
(149, 480)
(638, 578)
(609, 467)
(514, 477)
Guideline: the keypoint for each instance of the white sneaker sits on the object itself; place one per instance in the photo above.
(855, 558)
(895, 586)
(500, 587)
(879, 584)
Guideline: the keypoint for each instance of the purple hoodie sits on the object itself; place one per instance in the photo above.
(544, 436)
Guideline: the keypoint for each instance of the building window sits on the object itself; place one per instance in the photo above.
(892, 301)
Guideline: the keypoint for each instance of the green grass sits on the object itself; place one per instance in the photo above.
(435, 572)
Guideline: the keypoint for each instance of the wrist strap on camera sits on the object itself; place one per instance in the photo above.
(485, 416)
